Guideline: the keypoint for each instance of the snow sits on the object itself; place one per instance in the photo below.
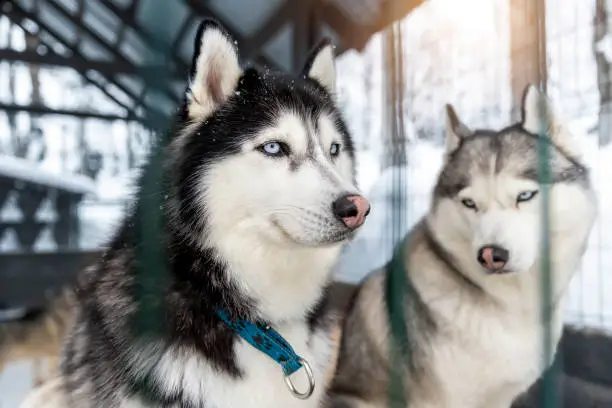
(15, 382)
(26, 170)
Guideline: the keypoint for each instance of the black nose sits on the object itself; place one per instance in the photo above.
(343, 207)
(493, 257)
(351, 210)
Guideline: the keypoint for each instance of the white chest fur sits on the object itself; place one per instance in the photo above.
(490, 360)
(262, 384)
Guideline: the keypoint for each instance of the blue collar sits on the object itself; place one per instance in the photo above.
(269, 341)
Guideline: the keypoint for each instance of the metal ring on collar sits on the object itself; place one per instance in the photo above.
(311, 382)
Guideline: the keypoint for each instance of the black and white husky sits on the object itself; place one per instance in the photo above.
(261, 197)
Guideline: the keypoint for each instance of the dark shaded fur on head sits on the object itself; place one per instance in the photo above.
(509, 145)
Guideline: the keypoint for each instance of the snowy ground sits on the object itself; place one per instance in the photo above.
(15, 382)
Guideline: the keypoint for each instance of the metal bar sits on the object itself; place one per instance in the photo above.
(17, 20)
(120, 57)
(56, 60)
(153, 112)
(80, 12)
(180, 35)
(301, 35)
(131, 11)
(156, 44)
(45, 110)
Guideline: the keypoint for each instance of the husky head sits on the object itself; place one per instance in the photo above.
(264, 163)
(488, 197)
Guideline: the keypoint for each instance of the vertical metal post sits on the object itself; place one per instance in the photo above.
(549, 397)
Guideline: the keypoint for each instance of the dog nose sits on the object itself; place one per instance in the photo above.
(493, 257)
(351, 210)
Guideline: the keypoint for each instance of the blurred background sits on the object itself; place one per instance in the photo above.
(85, 84)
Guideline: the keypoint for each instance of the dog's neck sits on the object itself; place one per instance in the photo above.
(286, 282)
(279, 282)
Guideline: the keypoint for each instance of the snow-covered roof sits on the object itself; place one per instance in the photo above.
(21, 169)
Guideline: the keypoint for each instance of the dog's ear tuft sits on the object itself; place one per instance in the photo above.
(539, 117)
(215, 69)
(320, 65)
(455, 130)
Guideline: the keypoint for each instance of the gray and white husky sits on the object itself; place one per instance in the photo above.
(472, 306)
(260, 198)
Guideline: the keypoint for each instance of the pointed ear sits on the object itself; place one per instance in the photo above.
(320, 65)
(535, 111)
(455, 130)
(215, 69)
(539, 117)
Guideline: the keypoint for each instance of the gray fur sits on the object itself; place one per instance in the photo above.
(462, 321)
(363, 364)
(512, 151)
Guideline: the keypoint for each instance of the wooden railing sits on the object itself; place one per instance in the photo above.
(24, 188)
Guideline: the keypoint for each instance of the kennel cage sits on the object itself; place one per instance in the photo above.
(476, 54)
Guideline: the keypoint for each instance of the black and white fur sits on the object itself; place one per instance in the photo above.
(249, 233)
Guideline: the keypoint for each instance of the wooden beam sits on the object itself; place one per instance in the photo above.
(351, 35)
(354, 35)
(527, 50)
(26, 279)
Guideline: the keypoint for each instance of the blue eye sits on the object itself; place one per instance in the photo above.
(334, 150)
(526, 196)
(274, 149)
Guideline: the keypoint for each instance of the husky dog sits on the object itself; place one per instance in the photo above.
(473, 299)
(261, 197)
(38, 336)
(584, 354)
